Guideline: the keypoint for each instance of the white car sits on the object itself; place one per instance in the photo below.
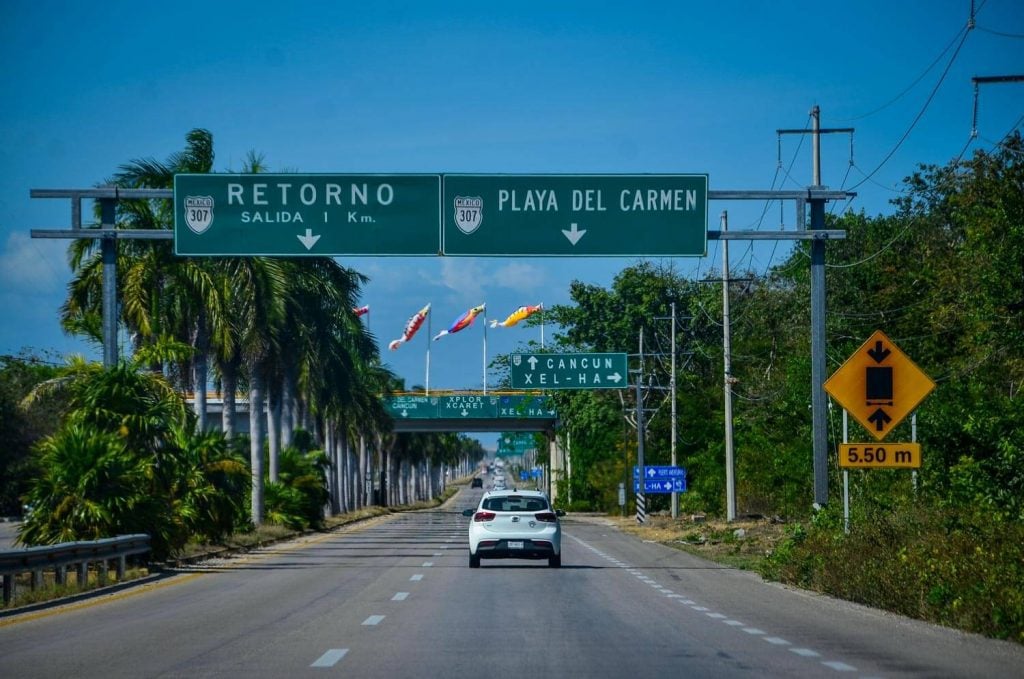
(515, 524)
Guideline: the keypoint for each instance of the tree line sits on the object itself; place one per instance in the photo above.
(943, 276)
(127, 445)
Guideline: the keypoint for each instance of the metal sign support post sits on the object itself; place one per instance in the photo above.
(109, 254)
(846, 476)
(641, 502)
(730, 462)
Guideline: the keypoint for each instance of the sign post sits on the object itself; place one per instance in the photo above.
(880, 386)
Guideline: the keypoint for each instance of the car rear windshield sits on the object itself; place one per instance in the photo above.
(515, 503)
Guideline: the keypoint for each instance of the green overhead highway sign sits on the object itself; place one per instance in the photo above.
(569, 371)
(469, 406)
(317, 215)
(516, 443)
(582, 215)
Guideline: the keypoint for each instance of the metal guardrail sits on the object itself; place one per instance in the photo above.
(35, 560)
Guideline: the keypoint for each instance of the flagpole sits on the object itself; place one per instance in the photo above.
(542, 325)
(485, 349)
(427, 386)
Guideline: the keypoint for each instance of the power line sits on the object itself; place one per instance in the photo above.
(1017, 36)
(924, 108)
(911, 85)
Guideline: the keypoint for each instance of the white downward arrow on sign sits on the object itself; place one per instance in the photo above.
(309, 240)
(574, 234)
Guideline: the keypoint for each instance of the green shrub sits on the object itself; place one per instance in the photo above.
(954, 567)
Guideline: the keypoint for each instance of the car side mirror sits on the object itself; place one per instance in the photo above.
(559, 512)
(468, 512)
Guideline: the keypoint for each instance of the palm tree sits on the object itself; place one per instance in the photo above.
(128, 460)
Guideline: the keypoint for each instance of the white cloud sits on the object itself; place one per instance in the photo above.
(464, 276)
(519, 276)
(33, 267)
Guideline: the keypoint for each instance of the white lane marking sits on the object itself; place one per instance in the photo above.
(400, 596)
(806, 652)
(428, 564)
(839, 666)
(803, 652)
(436, 554)
(673, 595)
(373, 620)
(331, 657)
(416, 577)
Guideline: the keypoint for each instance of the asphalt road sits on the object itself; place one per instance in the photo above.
(396, 598)
(8, 534)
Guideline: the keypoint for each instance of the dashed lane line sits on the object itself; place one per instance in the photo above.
(330, 658)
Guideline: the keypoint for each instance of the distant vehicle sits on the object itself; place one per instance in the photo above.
(515, 524)
(477, 482)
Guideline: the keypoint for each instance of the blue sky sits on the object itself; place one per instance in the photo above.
(524, 87)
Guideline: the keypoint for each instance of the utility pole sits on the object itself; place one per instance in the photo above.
(641, 501)
(819, 430)
(730, 463)
(672, 386)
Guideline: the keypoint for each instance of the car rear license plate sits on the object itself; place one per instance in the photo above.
(515, 544)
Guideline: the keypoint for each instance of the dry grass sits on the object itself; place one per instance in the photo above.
(713, 539)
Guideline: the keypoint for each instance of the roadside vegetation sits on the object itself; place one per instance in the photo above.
(943, 277)
(98, 452)
(88, 452)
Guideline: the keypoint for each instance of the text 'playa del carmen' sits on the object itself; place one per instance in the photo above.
(594, 200)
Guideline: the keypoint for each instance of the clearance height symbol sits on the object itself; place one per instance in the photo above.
(879, 385)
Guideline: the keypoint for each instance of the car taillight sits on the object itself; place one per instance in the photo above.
(484, 516)
(547, 517)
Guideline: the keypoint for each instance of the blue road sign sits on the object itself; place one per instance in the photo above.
(523, 475)
(656, 472)
(673, 485)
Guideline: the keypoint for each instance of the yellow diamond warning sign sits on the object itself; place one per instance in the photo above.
(879, 385)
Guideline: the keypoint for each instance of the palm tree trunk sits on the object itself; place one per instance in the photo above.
(229, 383)
(346, 472)
(363, 468)
(256, 443)
(274, 426)
(385, 476)
(288, 405)
(200, 371)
